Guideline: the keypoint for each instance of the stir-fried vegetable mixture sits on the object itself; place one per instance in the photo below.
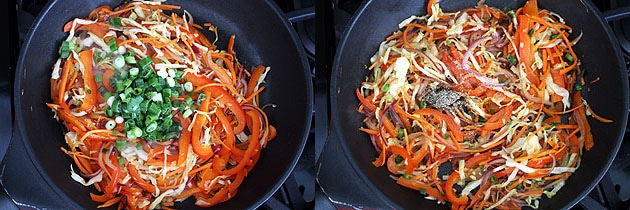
(154, 112)
(479, 108)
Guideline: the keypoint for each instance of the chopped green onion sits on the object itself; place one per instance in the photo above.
(98, 78)
(145, 62)
(64, 51)
(512, 59)
(121, 144)
(112, 44)
(178, 75)
(423, 191)
(134, 71)
(119, 119)
(553, 36)
(110, 124)
(97, 56)
(142, 101)
(401, 133)
(578, 86)
(398, 159)
(130, 53)
(385, 88)
(108, 112)
(170, 82)
(130, 59)
(151, 127)
(568, 58)
(187, 113)
(189, 101)
(531, 32)
(511, 14)
(494, 180)
(115, 22)
(188, 87)
(421, 104)
(153, 81)
(407, 176)
(201, 97)
(119, 62)
(133, 133)
(121, 161)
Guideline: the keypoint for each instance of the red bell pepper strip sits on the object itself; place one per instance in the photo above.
(116, 175)
(67, 67)
(253, 80)
(580, 117)
(238, 180)
(138, 180)
(450, 192)
(223, 96)
(542, 161)
(184, 140)
(228, 139)
(531, 7)
(367, 104)
(416, 158)
(197, 80)
(212, 200)
(477, 159)
(92, 96)
(499, 119)
(252, 147)
(231, 103)
(417, 185)
(203, 151)
(107, 78)
(525, 48)
(458, 136)
(485, 184)
(101, 198)
(400, 151)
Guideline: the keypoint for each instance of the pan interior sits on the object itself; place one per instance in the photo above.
(600, 58)
(263, 37)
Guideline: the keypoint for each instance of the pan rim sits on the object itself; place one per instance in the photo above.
(348, 154)
(32, 157)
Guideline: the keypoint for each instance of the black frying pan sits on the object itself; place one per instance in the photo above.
(263, 37)
(376, 19)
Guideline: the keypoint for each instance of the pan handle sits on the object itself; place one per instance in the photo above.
(616, 14)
